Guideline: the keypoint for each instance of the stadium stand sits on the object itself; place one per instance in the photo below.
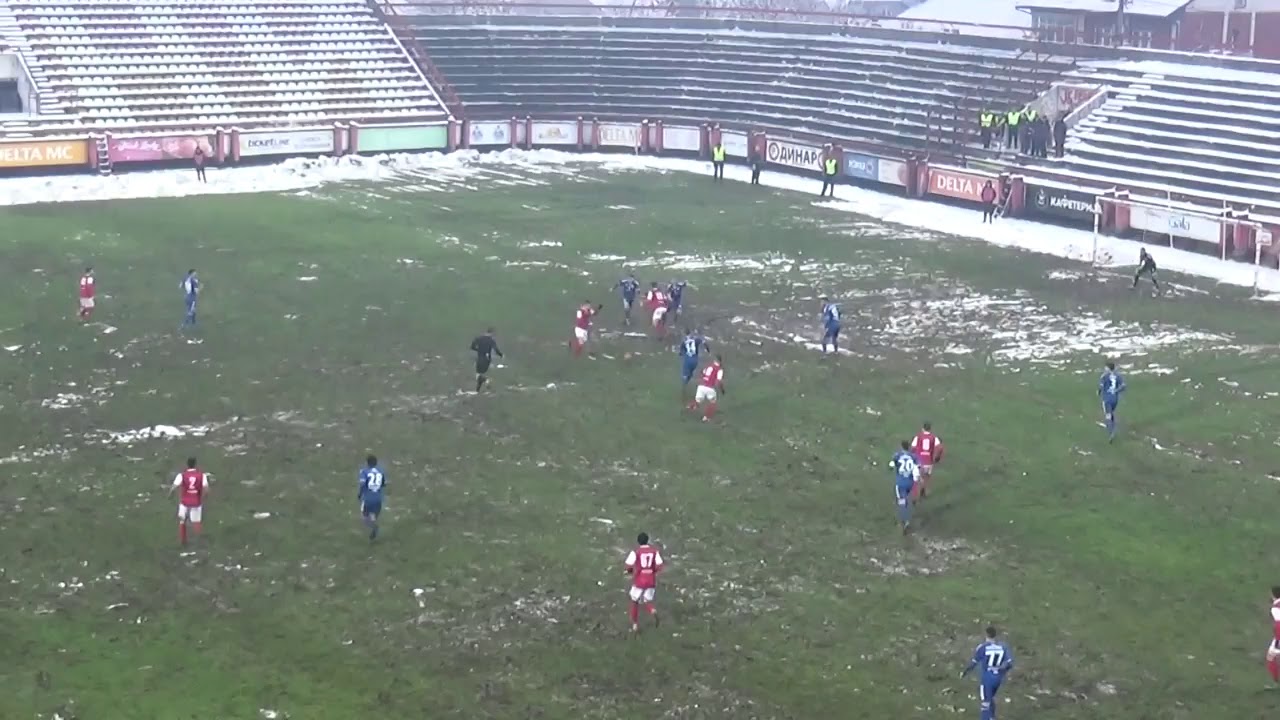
(1192, 130)
(151, 64)
(822, 83)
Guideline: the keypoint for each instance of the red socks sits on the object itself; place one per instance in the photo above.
(1273, 667)
(710, 411)
(635, 612)
(182, 533)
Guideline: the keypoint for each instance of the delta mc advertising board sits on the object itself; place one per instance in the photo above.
(47, 153)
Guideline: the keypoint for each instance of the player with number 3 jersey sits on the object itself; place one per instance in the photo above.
(643, 564)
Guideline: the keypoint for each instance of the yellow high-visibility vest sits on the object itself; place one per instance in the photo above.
(987, 119)
(1014, 117)
(717, 153)
(831, 166)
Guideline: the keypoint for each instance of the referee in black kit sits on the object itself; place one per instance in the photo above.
(484, 346)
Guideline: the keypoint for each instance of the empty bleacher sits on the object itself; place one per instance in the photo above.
(1188, 130)
(201, 63)
(823, 84)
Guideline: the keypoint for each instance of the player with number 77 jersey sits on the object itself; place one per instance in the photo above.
(643, 564)
(995, 661)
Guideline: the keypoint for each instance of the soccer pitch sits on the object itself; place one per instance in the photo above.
(1131, 579)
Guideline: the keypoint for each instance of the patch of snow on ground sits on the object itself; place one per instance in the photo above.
(1024, 330)
(155, 432)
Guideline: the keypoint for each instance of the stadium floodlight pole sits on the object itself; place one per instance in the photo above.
(1257, 264)
(1097, 225)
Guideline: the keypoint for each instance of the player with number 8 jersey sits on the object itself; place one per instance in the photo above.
(643, 564)
(928, 451)
(192, 485)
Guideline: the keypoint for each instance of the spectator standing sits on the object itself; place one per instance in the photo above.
(1060, 135)
(988, 202)
(757, 162)
(830, 169)
(198, 158)
(1013, 121)
(717, 161)
(986, 121)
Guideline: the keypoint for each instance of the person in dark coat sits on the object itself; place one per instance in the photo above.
(988, 202)
(757, 163)
(1060, 135)
(198, 158)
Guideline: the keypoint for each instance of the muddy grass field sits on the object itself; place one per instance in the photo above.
(1131, 579)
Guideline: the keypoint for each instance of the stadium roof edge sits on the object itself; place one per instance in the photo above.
(1144, 8)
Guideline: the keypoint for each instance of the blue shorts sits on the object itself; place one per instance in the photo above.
(1109, 406)
(686, 372)
(902, 491)
(191, 306)
(832, 331)
(627, 302)
(371, 507)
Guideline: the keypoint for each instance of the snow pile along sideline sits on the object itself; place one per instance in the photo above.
(300, 173)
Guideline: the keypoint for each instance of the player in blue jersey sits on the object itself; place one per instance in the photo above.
(628, 286)
(830, 325)
(373, 483)
(906, 473)
(190, 291)
(1110, 387)
(995, 660)
(690, 350)
(675, 294)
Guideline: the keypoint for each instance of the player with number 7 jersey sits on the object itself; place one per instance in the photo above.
(643, 564)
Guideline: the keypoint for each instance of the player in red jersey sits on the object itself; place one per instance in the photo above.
(192, 484)
(928, 451)
(643, 564)
(712, 382)
(1273, 650)
(656, 301)
(582, 326)
(86, 294)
